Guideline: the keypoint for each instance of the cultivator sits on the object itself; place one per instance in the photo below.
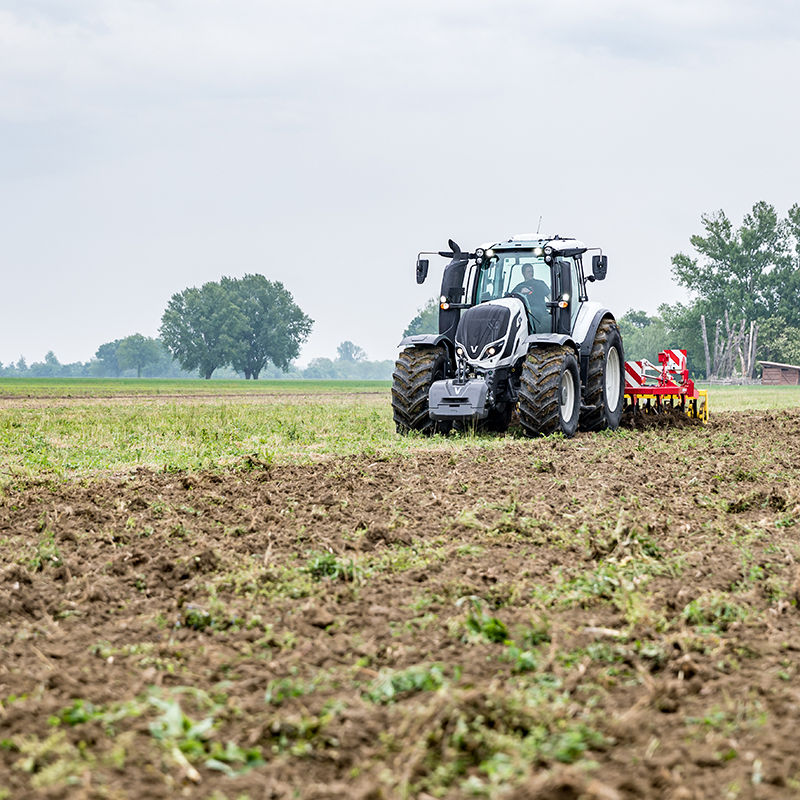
(651, 390)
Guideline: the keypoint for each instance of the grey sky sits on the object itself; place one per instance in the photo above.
(148, 146)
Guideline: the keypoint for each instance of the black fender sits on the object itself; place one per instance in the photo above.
(551, 338)
(588, 342)
(431, 340)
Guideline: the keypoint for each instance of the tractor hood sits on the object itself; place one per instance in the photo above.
(489, 332)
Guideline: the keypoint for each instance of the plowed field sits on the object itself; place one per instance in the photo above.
(612, 616)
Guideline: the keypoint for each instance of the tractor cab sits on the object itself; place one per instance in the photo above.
(522, 275)
(546, 274)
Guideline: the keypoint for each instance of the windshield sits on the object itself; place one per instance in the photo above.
(523, 274)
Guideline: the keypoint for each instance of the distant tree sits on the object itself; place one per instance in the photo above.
(321, 369)
(137, 351)
(21, 366)
(107, 364)
(782, 341)
(749, 274)
(350, 352)
(633, 320)
(273, 325)
(742, 271)
(203, 328)
(49, 368)
(426, 321)
(643, 336)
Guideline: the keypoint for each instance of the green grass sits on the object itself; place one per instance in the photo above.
(165, 425)
(188, 435)
(756, 397)
(110, 387)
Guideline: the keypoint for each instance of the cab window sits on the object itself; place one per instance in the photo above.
(524, 275)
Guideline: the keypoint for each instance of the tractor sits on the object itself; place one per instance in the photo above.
(517, 335)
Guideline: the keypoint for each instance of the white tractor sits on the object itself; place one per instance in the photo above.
(516, 331)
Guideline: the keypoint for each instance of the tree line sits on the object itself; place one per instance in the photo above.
(235, 327)
(108, 364)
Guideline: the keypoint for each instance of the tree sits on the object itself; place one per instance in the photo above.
(643, 336)
(137, 351)
(107, 363)
(745, 276)
(320, 369)
(742, 271)
(274, 326)
(49, 368)
(426, 321)
(350, 352)
(203, 328)
(782, 341)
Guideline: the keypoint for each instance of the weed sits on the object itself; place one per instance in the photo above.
(216, 619)
(713, 612)
(326, 565)
(282, 689)
(480, 625)
(47, 553)
(396, 684)
(185, 738)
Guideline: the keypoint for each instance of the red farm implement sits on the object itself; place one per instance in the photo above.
(652, 389)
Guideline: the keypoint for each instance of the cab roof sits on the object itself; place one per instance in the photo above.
(526, 241)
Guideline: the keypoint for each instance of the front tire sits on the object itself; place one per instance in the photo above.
(605, 382)
(414, 372)
(550, 393)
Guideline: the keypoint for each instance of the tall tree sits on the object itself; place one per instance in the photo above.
(273, 328)
(107, 363)
(643, 336)
(350, 352)
(744, 270)
(749, 273)
(137, 351)
(49, 368)
(426, 321)
(203, 328)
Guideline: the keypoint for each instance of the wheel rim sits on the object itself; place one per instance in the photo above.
(612, 379)
(567, 395)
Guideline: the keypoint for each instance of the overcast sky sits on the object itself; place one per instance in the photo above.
(151, 145)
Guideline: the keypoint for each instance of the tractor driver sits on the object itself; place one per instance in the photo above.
(535, 293)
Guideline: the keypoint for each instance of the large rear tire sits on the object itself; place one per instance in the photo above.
(605, 382)
(550, 394)
(415, 370)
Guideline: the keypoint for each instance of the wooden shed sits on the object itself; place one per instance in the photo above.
(774, 374)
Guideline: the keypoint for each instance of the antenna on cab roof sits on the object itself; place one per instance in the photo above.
(539, 226)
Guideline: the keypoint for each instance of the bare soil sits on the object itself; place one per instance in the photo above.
(612, 616)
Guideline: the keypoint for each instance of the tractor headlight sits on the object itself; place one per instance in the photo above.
(491, 351)
(489, 253)
(537, 251)
(459, 352)
(565, 297)
(479, 253)
(548, 251)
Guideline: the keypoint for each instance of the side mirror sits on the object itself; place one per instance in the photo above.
(599, 267)
(422, 269)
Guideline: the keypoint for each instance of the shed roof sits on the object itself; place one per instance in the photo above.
(778, 364)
